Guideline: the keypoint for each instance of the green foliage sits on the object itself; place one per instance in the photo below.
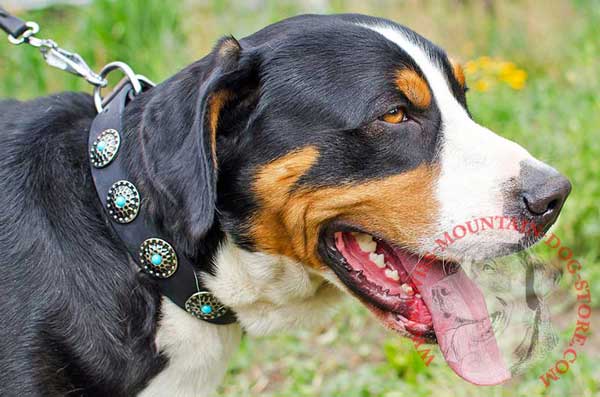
(143, 33)
(555, 116)
(406, 360)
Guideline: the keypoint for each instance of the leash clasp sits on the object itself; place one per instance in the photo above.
(20, 32)
(56, 56)
(70, 62)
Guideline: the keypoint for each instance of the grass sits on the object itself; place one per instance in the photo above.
(555, 116)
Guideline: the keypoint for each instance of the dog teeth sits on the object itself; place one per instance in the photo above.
(365, 242)
(407, 289)
(392, 274)
(377, 259)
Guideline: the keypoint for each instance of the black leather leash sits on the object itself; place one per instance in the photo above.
(11, 24)
(173, 273)
(20, 32)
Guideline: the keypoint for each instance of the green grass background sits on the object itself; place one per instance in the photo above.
(556, 117)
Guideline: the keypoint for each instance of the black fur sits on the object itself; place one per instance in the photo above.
(77, 317)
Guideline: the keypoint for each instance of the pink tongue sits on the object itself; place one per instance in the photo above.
(461, 323)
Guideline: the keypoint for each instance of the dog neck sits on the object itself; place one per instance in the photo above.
(269, 294)
(197, 352)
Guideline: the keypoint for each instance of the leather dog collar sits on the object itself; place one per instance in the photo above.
(173, 273)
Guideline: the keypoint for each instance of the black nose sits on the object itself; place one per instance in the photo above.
(544, 196)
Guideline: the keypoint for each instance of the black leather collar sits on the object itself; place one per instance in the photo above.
(173, 273)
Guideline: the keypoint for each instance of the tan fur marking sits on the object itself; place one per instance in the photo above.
(401, 208)
(413, 87)
(459, 73)
(217, 101)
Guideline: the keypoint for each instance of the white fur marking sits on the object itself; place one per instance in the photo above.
(476, 164)
(198, 354)
(271, 293)
(268, 293)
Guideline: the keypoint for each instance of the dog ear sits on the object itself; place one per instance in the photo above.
(215, 92)
(182, 118)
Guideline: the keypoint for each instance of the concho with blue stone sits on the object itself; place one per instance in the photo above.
(123, 201)
(205, 306)
(105, 148)
(177, 276)
(158, 258)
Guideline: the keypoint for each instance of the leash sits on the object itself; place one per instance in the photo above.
(174, 274)
(21, 32)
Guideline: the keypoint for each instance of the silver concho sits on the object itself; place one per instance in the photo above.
(123, 201)
(205, 306)
(105, 148)
(158, 258)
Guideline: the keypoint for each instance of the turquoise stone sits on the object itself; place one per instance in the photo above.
(206, 309)
(101, 146)
(120, 201)
(156, 259)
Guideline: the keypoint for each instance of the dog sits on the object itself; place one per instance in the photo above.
(332, 153)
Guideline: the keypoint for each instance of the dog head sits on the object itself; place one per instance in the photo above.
(336, 150)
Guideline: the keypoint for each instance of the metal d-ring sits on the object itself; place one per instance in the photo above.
(129, 73)
(33, 29)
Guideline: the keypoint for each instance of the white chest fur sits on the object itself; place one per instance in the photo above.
(269, 293)
(198, 354)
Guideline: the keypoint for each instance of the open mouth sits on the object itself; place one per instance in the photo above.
(422, 296)
(378, 275)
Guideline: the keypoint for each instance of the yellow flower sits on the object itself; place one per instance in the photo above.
(516, 79)
(482, 85)
(485, 62)
(470, 68)
(487, 72)
(506, 68)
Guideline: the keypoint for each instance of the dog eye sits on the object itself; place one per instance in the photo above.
(395, 116)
